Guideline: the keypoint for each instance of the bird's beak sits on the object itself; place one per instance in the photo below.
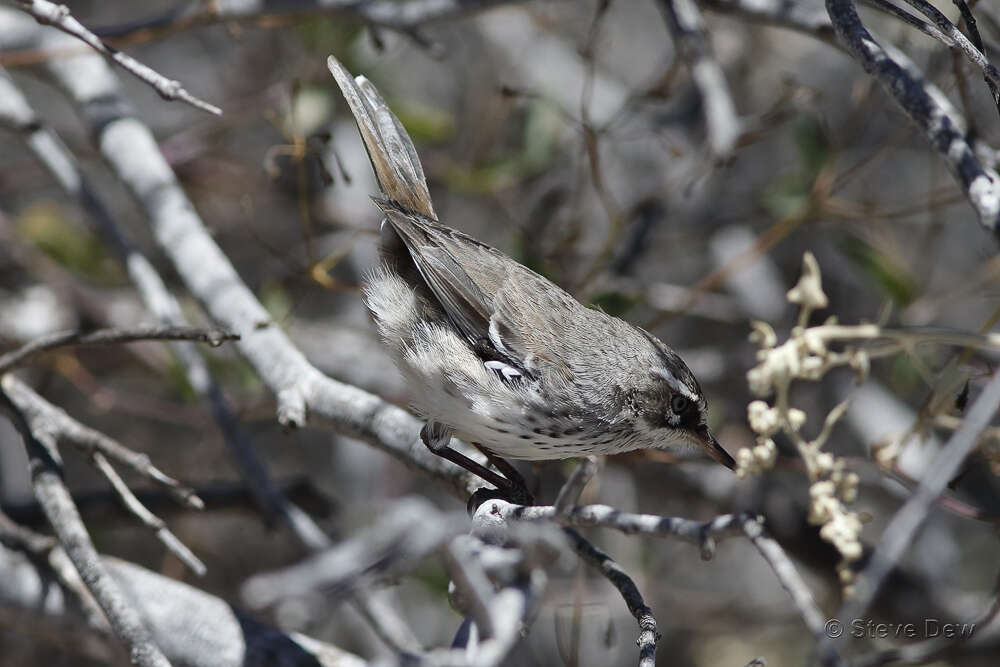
(708, 442)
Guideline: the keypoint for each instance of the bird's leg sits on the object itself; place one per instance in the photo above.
(437, 436)
(515, 481)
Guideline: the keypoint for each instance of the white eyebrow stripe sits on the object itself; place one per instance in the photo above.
(674, 383)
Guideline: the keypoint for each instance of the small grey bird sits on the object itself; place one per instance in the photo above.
(498, 355)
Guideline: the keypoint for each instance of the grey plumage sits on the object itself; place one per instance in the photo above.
(498, 354)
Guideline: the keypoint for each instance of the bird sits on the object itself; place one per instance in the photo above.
(498, 355)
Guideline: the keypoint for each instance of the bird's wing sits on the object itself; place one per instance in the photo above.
(473, 284)
(393, 157)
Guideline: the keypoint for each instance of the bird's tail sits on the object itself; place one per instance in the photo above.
(390, 149)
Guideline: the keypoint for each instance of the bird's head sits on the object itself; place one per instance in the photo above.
(673, 407)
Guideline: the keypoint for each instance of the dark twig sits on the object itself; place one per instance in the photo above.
(973, 50)
(703, 534)
(58, 16)
(648, 634)
(16, 357)
(925, 106)
(977, 42)
(907, 522)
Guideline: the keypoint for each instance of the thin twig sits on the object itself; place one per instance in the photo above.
(786, 573)
(90, 441)
(929, 29)
(17, 115)
(19, 356)
(925, 105)
(974, 52)
(58, 16)
(977, 42)
(613, 572)
(150, 520)
(569, 494)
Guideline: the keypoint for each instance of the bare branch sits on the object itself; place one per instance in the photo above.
(786, 573)
(972, 51)
(17, 357)
(648, 634)
(472, 585)
(404, 16)
(887, 7)
(191, 627)
(54, 497)
(703, 534)
(90, 441)
(977, 43)
(131, 151)
(692, 44)
(18, 116)
(58, 16)
(925, 105)
(796, 16)
(569, 494)
(150, 520)
(46, 550)
(907, 522)
(408, 532)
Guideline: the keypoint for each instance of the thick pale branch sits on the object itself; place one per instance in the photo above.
(58, 16)
(192, 627)
(18, 116)
(131, 151)
(54, 497)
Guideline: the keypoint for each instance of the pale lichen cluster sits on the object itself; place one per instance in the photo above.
(806, 355)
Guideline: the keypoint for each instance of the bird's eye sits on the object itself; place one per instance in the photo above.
(679, 404)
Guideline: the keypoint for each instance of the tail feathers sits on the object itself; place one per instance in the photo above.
(392, 154)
